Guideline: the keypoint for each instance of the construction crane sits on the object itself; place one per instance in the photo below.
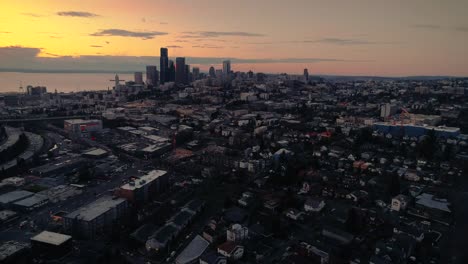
(21, 89)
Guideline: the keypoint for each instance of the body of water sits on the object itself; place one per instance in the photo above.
(63, 82)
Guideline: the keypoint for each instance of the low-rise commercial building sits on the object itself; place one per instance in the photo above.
(51, 245)
(82, 128)
(97, 217)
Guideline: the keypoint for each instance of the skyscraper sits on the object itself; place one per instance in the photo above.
(212, 72)
(195, 73)
(180, 71)
(151, 75)
(138, 77)
(187, 74)
(171, 72)
(306, 74)
(163, 65)
(226, 68)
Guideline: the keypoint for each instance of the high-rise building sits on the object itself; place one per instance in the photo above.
(138, 77)
(180, 70)
(151, 75)
(195, 73)
(212, 72)
(171, 72)
(306, 74)
(219, 74)
(188, 79)
(163, 65)
(226, 67)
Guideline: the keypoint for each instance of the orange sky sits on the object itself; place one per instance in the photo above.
(362, 37)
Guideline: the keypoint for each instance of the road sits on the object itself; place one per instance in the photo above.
(40, 119)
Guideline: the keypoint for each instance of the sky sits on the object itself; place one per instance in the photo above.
(359, 37)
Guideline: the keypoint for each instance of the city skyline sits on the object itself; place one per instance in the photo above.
(334, 37)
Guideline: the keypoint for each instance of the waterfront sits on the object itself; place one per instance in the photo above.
(63, 82)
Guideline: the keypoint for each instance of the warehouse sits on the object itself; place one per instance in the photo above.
(31, 203)
(8, 198)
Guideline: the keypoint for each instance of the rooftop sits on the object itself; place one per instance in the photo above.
(96, 208)
(428, 200)
(6, 214)
(11, 248)
(81, 121)
(95, 152)
(144, 180)
(51, 238)
(14, 196)
(32, 200)
(193, 251)
(164, 233)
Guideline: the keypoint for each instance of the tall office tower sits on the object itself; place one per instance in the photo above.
(180, 70)
(163, 65)
(226, 67)
(212, 72)
(171, 71)
(219, 74)
(138, 77)
(306, 74)
(151, 75)
(187, 74)
(196, 73)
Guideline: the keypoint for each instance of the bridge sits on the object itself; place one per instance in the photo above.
(42, 119)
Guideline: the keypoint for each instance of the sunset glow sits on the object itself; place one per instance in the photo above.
(390, 38)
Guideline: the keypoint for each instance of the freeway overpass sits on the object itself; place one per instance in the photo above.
(42, 119)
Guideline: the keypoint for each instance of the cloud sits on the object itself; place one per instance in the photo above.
(95, 46)
(427, 26)
(462, 28)
(76, 14)
(107, 42)
(32, 14)
(174, 47)
(52, 54)
(343, 42)
(216, 34)
(5, 32)
(331, 40)
(206, 46)
(26, 59)
(143, 20)
(125, 33)
(163, 23)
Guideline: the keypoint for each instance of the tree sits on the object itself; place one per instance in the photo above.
(427, 146)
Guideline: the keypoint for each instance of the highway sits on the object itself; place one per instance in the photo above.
(40, 119)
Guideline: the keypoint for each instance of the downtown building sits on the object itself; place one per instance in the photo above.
(152, 77)
(164, 66)
(180, 71)
(144, 188)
